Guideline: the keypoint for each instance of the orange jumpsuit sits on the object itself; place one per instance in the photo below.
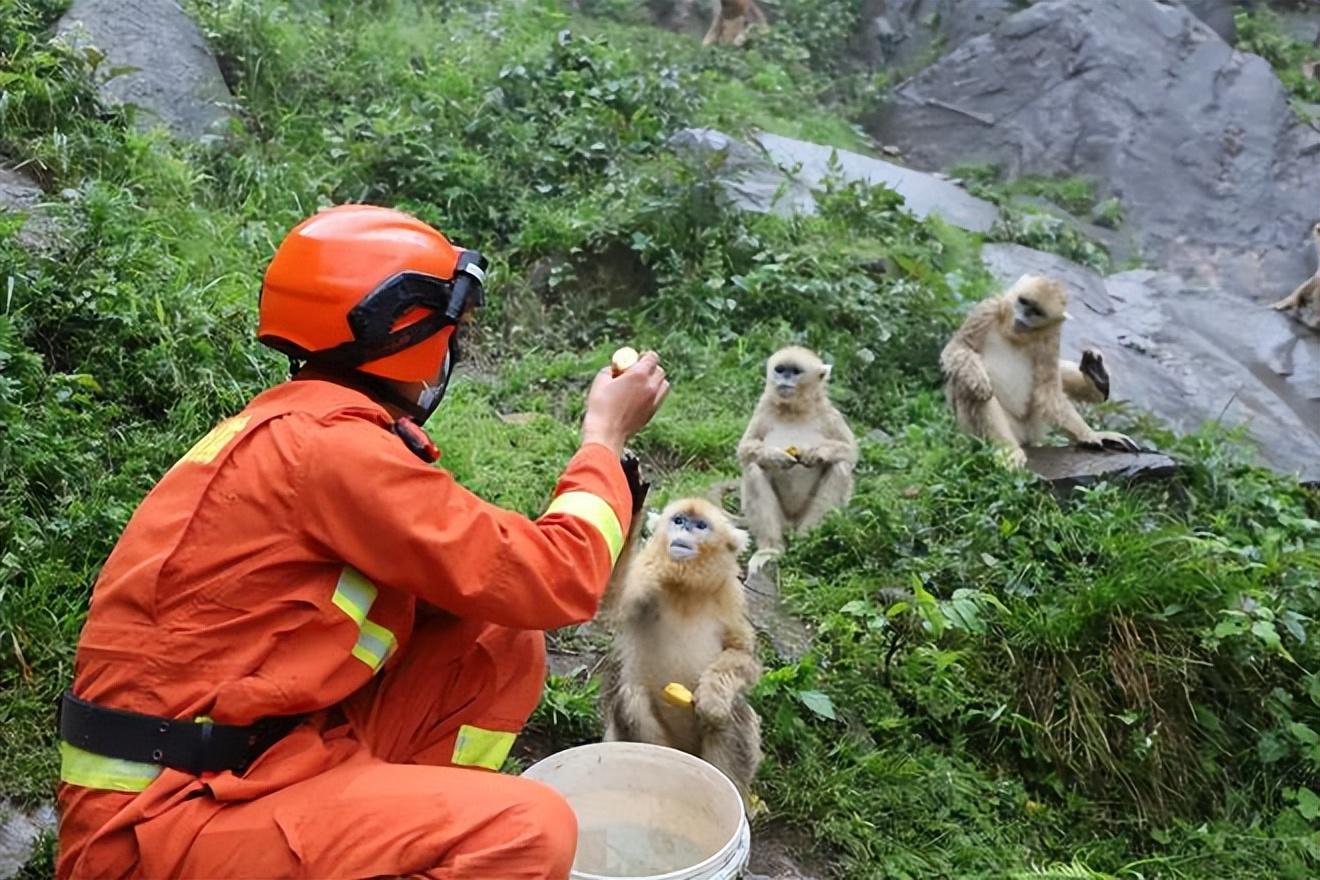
(276, 570)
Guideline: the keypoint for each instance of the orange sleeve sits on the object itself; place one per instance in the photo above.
(405, 524)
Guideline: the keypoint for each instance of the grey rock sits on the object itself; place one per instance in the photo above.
(173, 78)
(19, 830)
(20, 194)
(776, 855)
(1067, 467)
(1191, 354)
(779, 175)
(1217, 15)
(1214, 170)
(903, 33)
(789, 637)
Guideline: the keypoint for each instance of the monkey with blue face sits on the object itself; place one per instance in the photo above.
(1005, 382)
(677, 615)
(797, 454)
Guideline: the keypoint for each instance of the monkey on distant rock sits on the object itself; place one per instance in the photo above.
(797, 454)
(1003, 377)
(1304, 302)
(677, 615)
(731, 20)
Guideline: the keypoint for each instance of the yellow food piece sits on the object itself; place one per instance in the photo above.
(792, 450)
(623, 359)
(676, 695)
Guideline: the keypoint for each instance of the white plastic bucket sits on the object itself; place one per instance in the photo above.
(649, 813)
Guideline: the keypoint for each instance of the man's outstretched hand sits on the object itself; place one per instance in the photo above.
(620, 406)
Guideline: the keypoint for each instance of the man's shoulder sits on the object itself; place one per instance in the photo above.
(316, 400)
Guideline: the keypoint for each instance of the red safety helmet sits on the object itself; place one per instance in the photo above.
(368, 289)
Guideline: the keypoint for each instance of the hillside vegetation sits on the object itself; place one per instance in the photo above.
(1120, 682)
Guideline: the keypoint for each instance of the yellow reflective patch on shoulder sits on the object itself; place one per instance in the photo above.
(206, 449)
(83, 768)
(477, 747)
(595, 512)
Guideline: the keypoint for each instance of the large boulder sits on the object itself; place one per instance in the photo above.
(904, 33)
(19, 832)
(1191, 355)
(1217, 14)
(19, 194)
(169, 73)
(1215, 172)
(780, 175)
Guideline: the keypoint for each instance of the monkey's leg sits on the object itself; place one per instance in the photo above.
(988, 420)
(760, 507)
(739, 28)
(1294, 299)
(735, 748)
(1087, 382)
(833, 490)
(633, 719)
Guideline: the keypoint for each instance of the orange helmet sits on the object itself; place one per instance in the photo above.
(368, 289)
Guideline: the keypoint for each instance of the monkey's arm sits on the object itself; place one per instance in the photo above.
(729, 676)
(752, 443)
(961, 359)
(754, 14)
(714, 32)
(622, 568)
(839, 445)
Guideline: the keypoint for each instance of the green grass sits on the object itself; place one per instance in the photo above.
(1262, 33)
(1120, 682)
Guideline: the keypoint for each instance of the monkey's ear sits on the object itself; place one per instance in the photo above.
(825, 371)
(739, 539)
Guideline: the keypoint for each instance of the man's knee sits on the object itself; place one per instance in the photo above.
(549, 828)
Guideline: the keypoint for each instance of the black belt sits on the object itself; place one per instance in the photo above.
(173, 742)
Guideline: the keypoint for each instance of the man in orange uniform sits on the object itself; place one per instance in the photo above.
(309, 643)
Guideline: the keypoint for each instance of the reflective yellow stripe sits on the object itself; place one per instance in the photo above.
(476, 747)
(595, 512)
(375, 644)
(206, 449)
(78, 767)
(354, 595)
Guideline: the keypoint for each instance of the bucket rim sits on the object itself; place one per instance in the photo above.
(736, 848)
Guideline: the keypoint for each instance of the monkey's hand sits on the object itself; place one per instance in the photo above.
(778, 459)
(750, 451)
(1112, 440)
(713, 704)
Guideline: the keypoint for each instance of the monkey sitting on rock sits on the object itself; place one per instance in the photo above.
(797, 454)
(1304, 302)
(1003, 377)
(677, 615)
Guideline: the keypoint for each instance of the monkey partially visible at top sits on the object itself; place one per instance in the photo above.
(797, 454)
(1305, 300)
(731, 20)
(1003, 377)
(677, 614)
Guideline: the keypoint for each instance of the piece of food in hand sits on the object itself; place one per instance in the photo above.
(623, 359)
(792, 451)
(676, 695)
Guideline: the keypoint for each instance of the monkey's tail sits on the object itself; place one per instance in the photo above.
(718, 494)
